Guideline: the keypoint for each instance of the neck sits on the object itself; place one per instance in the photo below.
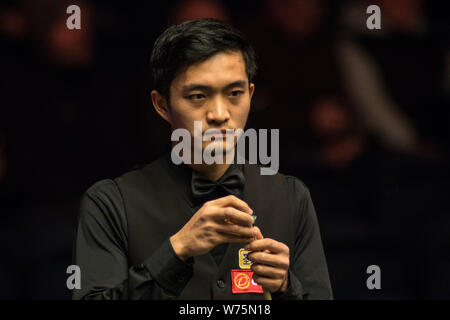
(212, 171)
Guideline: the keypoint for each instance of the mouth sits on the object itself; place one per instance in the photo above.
(214, 132)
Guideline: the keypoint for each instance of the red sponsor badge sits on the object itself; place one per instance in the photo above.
(242, 282)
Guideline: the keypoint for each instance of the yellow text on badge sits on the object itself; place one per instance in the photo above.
(244, 262)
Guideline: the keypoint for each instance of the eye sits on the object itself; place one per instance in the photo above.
(236, 93)
(196, 96)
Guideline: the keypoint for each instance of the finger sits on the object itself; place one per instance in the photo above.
(237, 230)
(270, 284)
(228, 238)
(268, 271)
(274, 260)
(230, 214)
(258, 234)
(268, 244)
(234, 202)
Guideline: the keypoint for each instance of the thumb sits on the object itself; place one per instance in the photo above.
(259, 236)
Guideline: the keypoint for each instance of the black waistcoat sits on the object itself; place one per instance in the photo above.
(157, 208)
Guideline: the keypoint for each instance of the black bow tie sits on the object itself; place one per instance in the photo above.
(232, 182)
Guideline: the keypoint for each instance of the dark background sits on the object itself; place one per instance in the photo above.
(363, 118)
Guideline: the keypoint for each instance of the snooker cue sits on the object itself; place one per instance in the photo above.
(266, 293)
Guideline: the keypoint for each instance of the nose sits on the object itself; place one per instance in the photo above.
(218, 112)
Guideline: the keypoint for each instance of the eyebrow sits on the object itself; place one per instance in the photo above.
(202, 87)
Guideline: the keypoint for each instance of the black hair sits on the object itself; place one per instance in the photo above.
(182, 45)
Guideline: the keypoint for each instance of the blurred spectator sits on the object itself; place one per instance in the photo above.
(375, 204)
(44, 24)
(296, 19)
(12, 22)
(395, 76)
(296, 62)
(68, 109)
(297, 65)
(71, 48)
(68, 117)
(196, 9)
(337, 137)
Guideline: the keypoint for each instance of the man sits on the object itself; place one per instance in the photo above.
(186, 231)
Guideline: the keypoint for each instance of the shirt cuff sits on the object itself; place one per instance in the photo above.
(293, 291)
(168, 270)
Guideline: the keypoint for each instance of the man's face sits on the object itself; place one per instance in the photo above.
(215, 92)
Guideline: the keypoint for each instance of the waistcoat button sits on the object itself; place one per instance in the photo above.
(220, 284)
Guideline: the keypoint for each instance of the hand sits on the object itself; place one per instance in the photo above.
(270, 263)
(223, 220)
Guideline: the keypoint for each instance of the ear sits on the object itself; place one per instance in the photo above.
(160, 105)
(251, 90)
